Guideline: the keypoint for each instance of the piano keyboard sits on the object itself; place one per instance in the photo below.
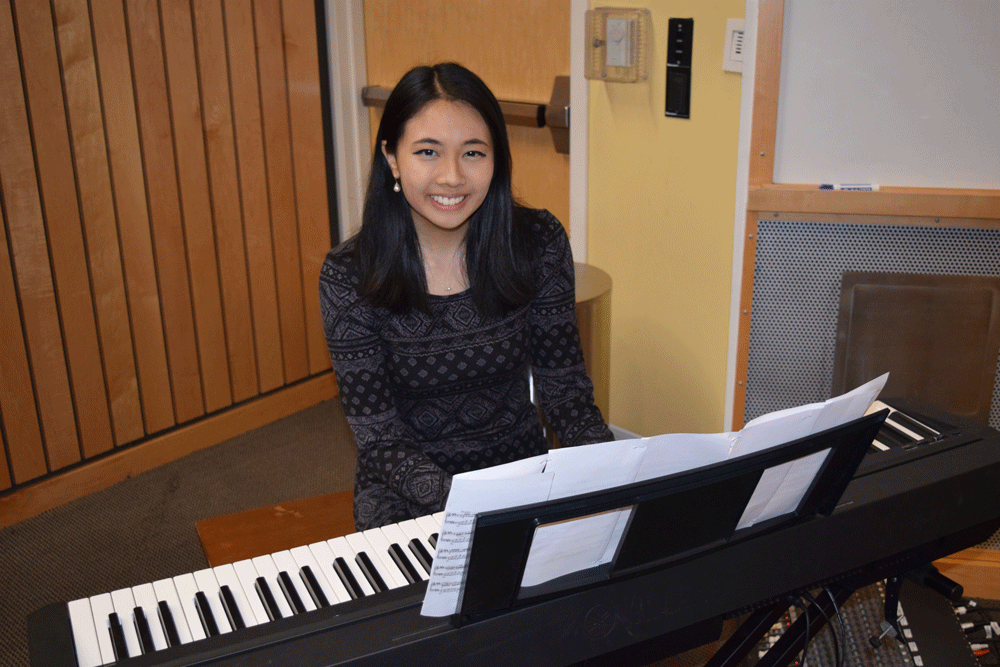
(111, 627)
(900, 430)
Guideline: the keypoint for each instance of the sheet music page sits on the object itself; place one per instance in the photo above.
(679, 452)
(782, 487)
(510, 485)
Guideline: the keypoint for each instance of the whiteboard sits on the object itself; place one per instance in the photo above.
(893, 92)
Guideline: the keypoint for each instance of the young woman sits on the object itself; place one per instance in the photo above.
(436, 310)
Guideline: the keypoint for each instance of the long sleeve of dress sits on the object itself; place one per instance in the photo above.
(565, 391)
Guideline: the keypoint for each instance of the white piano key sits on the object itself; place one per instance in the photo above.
(879, 446)
(342, 549)
(267, 569)
(373, 543)
(285, 562)
(81, 620)
(209, 585)
(226, 575)
(187, 589)
(166, 591)
(412, 530)
(324, 558)
(124, 605)
(431, 525)
(901, 428)
(102, 607)
(247, 574)
(395, 535)
(145, 597)
(305, 558)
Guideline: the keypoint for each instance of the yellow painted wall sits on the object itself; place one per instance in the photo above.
(660, 222)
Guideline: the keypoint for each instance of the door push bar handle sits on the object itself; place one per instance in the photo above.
(554, 115)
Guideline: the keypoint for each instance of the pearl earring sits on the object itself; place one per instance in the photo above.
(396, 187)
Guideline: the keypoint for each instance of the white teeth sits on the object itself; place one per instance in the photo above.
(447, 201)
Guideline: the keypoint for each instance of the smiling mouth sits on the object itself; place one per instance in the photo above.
(448, 201)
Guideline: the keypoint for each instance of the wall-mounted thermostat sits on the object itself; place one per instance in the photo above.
(617, 46)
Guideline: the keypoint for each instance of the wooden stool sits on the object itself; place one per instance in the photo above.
(233, 537)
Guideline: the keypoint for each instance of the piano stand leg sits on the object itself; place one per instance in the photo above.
(784, 651)
(890, 624)
(747, 636)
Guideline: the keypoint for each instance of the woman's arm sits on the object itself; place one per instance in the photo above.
(565, 391)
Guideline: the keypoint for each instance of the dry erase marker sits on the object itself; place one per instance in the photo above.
(856, 187)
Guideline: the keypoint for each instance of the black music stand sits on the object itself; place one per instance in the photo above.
(673, 518)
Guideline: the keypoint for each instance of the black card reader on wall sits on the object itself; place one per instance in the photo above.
(680, 38)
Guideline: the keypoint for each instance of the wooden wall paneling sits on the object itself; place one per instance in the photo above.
(746, 310)
(93, 180)
(32, 271)
(169, 242)
(767, 73)
(22, 434)
(64, 232)
(253, 191)
(129, 188)
(309, 164)
(223, 181)
(196, 208)
(281, 187)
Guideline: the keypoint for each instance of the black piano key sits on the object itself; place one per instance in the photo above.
(291, 594)
(312, 585)
(913, 425)
(167, 621)
(347, 578)
(267, 598)
(368, 569)
(205, 614)
(424, 558)
(892, 436)
(142, 630)
(433, 539)
(232, 609)
(404, 564)
(117, 637)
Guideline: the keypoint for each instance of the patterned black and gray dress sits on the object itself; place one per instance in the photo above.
(430, 395)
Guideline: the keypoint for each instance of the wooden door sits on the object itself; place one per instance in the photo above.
(518, 47)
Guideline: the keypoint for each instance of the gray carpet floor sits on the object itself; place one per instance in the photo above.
(143, 529)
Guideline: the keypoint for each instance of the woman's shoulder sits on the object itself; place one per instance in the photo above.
(545, 228)
(340, 262)
(340, 274)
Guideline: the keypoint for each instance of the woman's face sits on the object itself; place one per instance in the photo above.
(444, 163)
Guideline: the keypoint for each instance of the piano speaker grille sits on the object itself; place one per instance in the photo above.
(796, 296)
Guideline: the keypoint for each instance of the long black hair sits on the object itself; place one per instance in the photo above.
(499, 259)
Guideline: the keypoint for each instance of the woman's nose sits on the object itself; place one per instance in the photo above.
(450, 172)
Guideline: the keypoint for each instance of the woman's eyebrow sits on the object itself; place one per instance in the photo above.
(436, 142)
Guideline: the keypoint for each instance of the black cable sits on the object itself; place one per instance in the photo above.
(838, 657)
(805, 644)
(843, 629)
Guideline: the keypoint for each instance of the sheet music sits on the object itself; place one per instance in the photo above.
(566, 547)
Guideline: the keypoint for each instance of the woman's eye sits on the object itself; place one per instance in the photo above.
(426, 152)
(476, 154)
